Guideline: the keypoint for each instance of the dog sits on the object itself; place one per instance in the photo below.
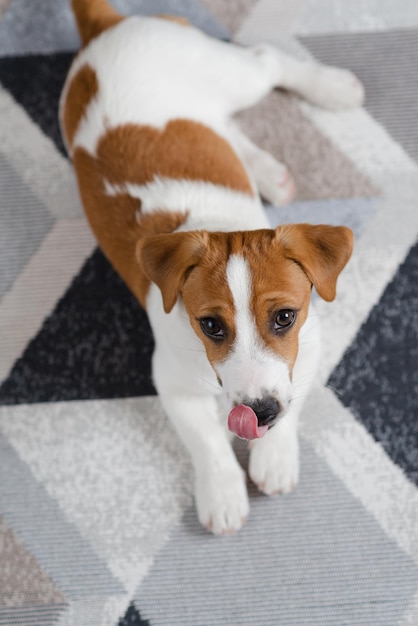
(171, 188)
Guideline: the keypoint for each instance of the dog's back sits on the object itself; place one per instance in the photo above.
(132, 114)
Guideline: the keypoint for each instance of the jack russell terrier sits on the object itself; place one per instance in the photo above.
(170, 186)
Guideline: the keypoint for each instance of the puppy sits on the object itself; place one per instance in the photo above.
(171, 188)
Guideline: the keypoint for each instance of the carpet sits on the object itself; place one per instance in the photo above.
(97, 522)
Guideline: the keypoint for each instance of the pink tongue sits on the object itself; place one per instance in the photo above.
(244, 423)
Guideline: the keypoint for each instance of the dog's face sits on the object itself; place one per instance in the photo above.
(247, 295)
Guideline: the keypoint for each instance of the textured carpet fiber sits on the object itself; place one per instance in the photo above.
(97, 522)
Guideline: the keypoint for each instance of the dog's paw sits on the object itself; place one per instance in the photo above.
(274, 181)
(334, 88)
(279, 187)
(274, 462)
(222, 501)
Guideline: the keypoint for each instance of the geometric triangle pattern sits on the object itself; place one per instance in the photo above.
(286, 595)
(95, 490)
(35, 82)
(48, 27)
(71, 358)
(393, 79)
(378, 377)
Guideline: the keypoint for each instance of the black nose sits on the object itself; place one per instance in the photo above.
(266, 409)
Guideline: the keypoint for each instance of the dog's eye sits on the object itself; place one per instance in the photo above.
(284, 319)
(212, 327)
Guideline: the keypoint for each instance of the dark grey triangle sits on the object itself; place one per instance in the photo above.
(133, 618)
(36, 83)
(378, 376)
(97, 343)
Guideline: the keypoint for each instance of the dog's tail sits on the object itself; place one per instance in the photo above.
(93, 17)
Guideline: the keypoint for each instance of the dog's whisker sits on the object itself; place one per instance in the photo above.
(307, 343)
(298, 397)
(208, 382)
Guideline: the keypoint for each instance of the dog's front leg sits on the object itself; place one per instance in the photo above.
(220, 489)
(274, 459)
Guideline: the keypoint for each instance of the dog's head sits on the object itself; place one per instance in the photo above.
(247, 295)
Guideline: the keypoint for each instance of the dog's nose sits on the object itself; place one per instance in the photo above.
(266, 409)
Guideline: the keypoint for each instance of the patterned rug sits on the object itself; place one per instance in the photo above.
(97, 523)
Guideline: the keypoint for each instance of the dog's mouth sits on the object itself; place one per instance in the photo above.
(243, 422)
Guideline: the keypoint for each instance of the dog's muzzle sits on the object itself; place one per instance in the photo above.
(253, 418)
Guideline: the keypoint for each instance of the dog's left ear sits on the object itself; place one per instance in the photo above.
(321, 251)
(168, 259)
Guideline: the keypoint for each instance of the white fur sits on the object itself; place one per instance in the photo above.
(251, 370)
(210, 206)
(149, 72)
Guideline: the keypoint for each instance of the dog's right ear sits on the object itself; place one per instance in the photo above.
(321, 250)
(168, 259)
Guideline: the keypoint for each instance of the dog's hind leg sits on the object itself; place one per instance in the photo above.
(323, 85)
(272, 178)
(248, 74)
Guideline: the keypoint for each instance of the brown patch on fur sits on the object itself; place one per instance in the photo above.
(114, 222)
(81, 91)
(93, 17)
(206, 294)
(295, 258)
(168, 260)
(137, 154)
(277, 283)
(193, 265)
(322, 251)
(183, 149)
(183, 21)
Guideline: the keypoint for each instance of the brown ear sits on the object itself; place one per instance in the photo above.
(321, 251)
(167, 260)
